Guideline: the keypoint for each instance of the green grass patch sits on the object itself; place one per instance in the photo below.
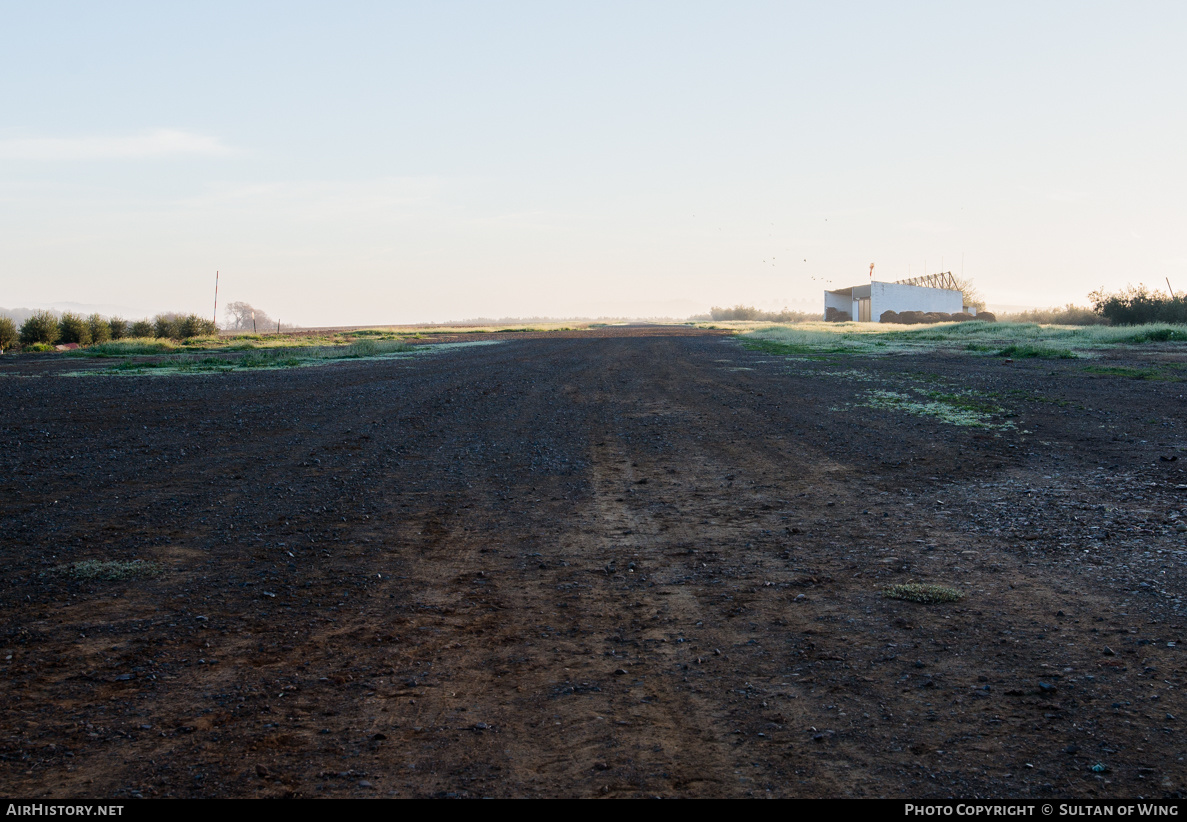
(264, 358)
(139, 346)
(109, 569)
(1131, 372)
(923, 592)
(813, 347)
(375, 348)
(1027, 351)
(955, 409)
(966, 401)
(1159, 333)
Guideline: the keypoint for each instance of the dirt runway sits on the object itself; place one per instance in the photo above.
(620, 562)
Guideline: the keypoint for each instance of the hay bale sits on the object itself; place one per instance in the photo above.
(889, 317)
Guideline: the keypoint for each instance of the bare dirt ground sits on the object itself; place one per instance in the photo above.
(622, 562)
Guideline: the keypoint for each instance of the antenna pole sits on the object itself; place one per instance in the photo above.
(216, 298)
(1171, 290)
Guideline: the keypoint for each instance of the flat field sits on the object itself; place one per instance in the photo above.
(627, 561)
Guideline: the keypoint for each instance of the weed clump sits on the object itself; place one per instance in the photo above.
(923, 592)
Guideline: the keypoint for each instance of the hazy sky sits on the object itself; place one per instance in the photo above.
(415, 161)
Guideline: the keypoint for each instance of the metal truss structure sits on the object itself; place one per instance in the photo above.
(942, 280)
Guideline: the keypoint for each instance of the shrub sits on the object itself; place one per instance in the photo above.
(39, 347)
(119, 328)
(166, 326)
(141, 329)
(73, 329)
(41, 328)
(195, 326)
(8, 333)
(100, 329)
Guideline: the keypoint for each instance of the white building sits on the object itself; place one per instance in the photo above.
(866, 303)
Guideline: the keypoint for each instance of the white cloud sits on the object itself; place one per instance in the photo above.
(161, 142)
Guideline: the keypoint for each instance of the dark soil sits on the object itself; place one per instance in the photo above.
(621, 562)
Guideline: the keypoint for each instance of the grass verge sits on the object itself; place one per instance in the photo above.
(225, 361)
(1023, 340)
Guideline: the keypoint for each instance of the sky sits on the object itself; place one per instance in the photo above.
(398, 162)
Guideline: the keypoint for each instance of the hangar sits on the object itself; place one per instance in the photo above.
(930, 294)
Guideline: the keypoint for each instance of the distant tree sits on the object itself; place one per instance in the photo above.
(73, 329)
(239, 318)
(140, 329)
(118, 327)
(17, 315)
(42, 327)
(971, 296)
(100, 329)
(8, 333)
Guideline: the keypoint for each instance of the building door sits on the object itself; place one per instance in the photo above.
(863, 310)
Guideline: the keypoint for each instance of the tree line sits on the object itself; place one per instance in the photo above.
(1136, 306)
(43, 329)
